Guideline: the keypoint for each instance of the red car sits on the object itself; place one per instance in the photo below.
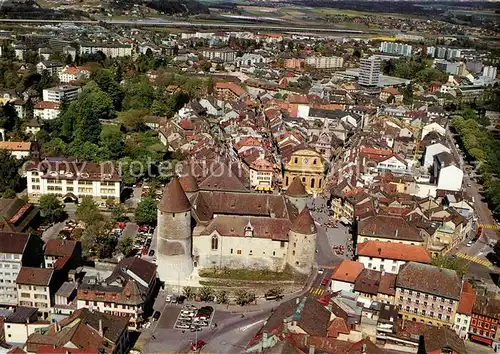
(325, 281)
(198, 345)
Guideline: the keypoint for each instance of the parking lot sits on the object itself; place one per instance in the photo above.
(194, 319)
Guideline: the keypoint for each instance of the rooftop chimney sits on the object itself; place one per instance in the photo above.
(396, 234)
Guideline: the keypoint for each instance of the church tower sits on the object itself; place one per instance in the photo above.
(174, 242)
(301, 251)
(297, 195)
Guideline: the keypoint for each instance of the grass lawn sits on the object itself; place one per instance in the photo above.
(246, 274)
(109, 128)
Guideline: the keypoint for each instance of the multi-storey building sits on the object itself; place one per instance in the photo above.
(128, 291)
(308, 165)
(72, 180)
(390, 256)
(224, 55)
(369, 72)
(261, 175)
(464, 310)
(228, 91)
(109, 50)
(484, 322)
(89, 331)
(388, 228)
(326, 63)
(16, 250)
(396, 48)
(46, 110)
(71, 73)
(427, 294)
(61, 93)
(51, 66)
(34, 288)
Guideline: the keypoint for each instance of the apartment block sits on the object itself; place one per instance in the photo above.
(16, 250)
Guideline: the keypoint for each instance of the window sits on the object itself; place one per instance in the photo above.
(274, 253)
(487, 325)
(238, 252)
(215, 243)
(296, 160)
(312, 182)
(407, 308)
(423, 312)
(320, 181)
(393, 269)
(418, 294)
(447, 317)
(231, 251)
(286, 181)
(282, 244)
(315, 161)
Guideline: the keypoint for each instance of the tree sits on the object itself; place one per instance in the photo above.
(9, 176)
(88, 212)
(206, 294)
(455, 263)
(112, 146)
(54, 147)
(188, 292)
(97, 241)
(117, 210)
(244, 297)
(51, 207)
(9, 193)
(146, 212)
(222, 297)
(274, 292)
(126, 245)
(133, 119)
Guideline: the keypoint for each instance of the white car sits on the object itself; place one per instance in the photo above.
(469, 243)
(320, 271)
(168, 298)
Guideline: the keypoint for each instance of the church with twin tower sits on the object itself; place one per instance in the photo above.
(210, 228)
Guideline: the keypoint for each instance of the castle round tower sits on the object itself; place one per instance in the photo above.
(301, 253)
(296, 193)
(174, 241)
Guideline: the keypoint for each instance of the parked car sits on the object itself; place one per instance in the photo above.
(151, 253)
(198, 345)
(470, 243)
(321, 271)
(325, 281)
(168, 298)
(156, 315)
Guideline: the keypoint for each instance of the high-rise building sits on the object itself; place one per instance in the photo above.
(369, 73)
(396, 48)
(324, 62)
(490, 72)
(441, 52)
(453, 53)
(431, 51)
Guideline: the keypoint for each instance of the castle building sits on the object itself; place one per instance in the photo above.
(200, 228)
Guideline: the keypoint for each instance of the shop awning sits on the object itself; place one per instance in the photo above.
(482, 339)
(263, 188)
(345, 221)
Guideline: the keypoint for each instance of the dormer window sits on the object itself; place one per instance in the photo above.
(249, 230)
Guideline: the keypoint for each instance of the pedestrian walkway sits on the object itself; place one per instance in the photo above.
(317, 291)
(477, 260)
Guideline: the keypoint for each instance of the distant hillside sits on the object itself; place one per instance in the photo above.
(30, 10)
(168, 7)
(173, 7)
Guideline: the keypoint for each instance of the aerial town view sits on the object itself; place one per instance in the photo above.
(248, 176)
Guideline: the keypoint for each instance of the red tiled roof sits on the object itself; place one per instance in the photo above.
(466, 299)
(391, 90)
(47, 105)
(336, 327)
(347, 271)
(237, 90)
(304, 223)
(174, 198)
(59, 248)
(34, 276)
(393, 250)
